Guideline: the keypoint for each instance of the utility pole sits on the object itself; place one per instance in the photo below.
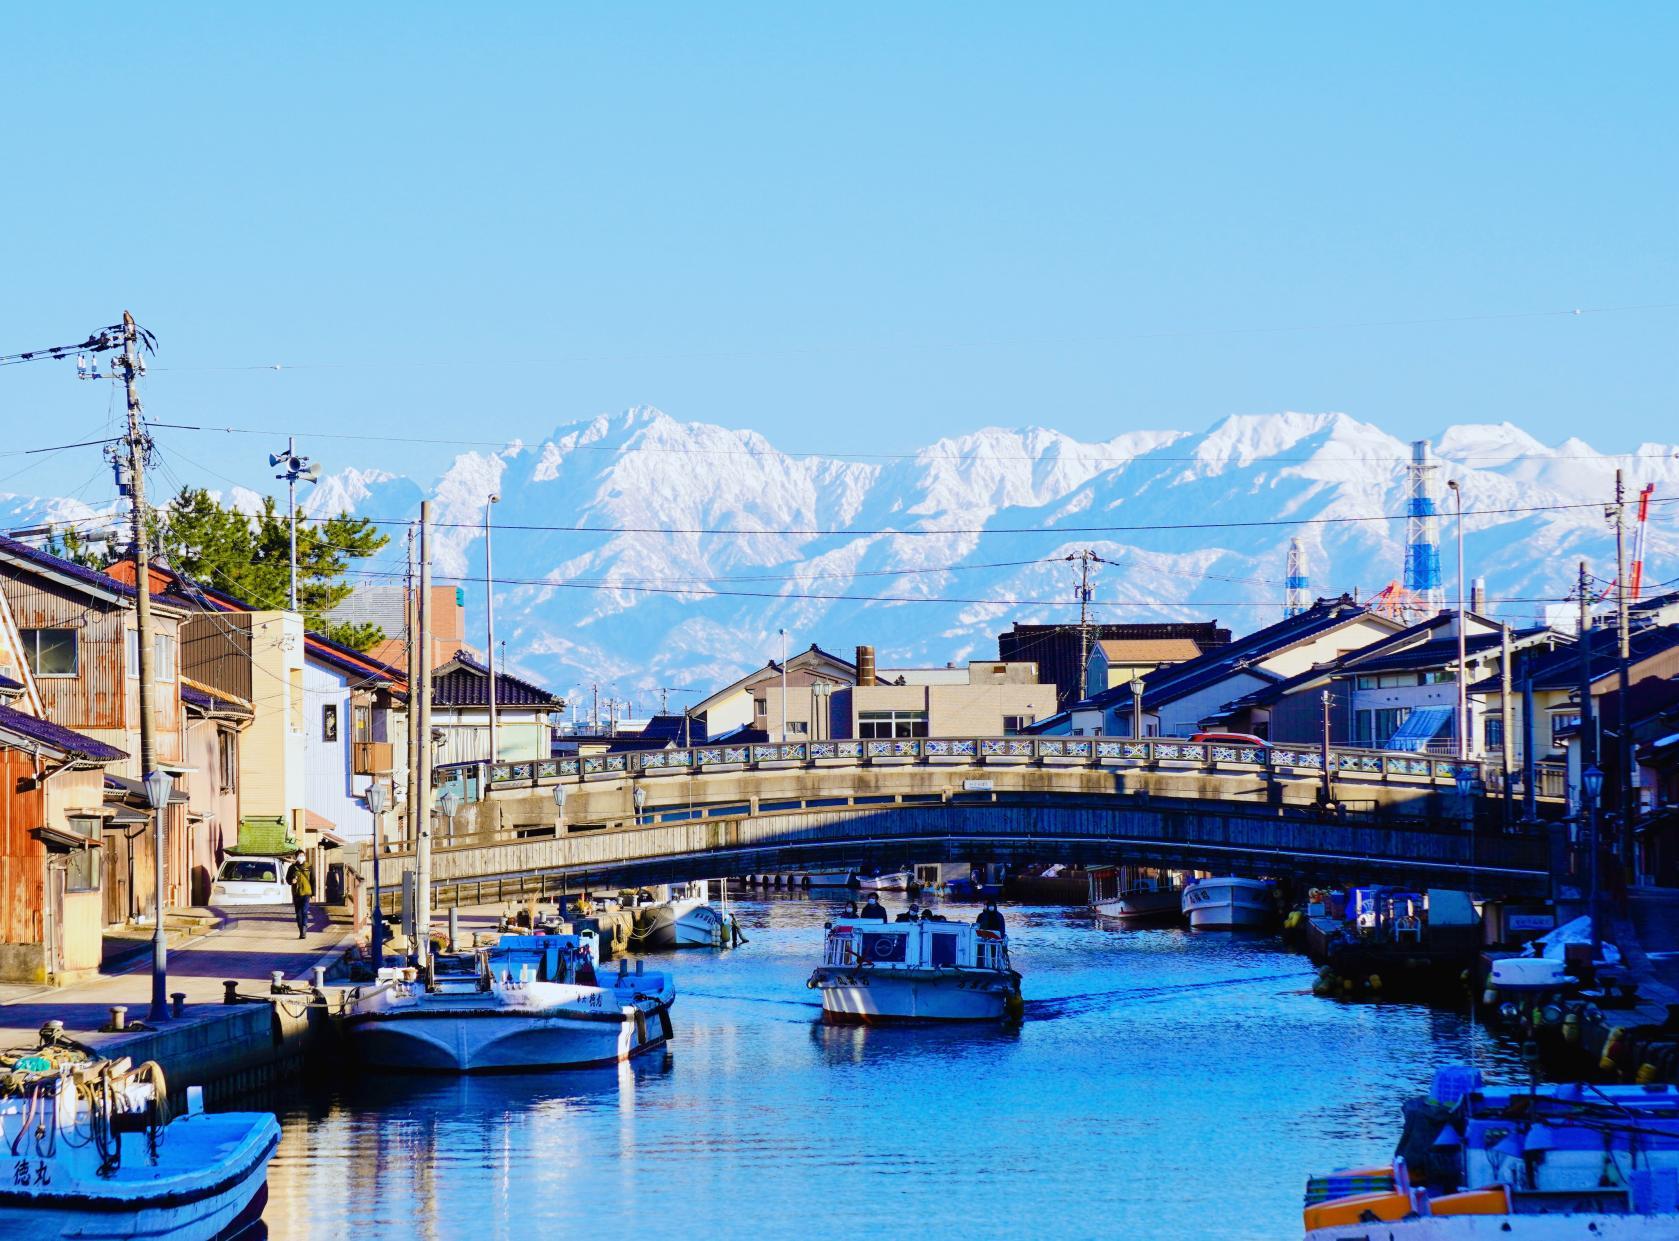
(490, 622)
(783, 687)
(139, 449)
(411, 636)
(421, 687)
(1588, 747)
(1326, 699)
(296, 468)
(1623, 655)
(1463, 746)
(1084, 558)
(594, 710)
(1506, 736)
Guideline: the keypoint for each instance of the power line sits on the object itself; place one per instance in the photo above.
(1141, 458)
(1144, 527)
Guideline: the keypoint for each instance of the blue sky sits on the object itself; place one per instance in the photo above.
(852, 227)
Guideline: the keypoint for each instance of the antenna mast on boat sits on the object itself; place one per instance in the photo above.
(421, 722)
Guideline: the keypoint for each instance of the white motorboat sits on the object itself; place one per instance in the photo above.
(927, 970)
(893, 881)
(1228, 903)
(91, 1153)
(529, 1002)
(686, 919)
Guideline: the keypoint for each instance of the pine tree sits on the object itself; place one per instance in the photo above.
(248, 556)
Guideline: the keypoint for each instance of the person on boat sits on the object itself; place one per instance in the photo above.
(990, 918)
(302, 884)
(912, 914)
(874, 909)
(851, 909)
(927, 915)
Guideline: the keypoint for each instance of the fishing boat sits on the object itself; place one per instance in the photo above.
(1530, 1163)
(1228, 903)
(931, 969)
(1144, 903)
(92, 1152)
(843, 877)
(526, 1002)
(892, 881)
(686, 918)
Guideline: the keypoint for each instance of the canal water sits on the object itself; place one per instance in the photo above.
(1164, 1084)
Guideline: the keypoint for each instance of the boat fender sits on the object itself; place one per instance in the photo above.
(1374, 982)
(1612, 1048)
(1571, 1028)
(1647, 1074)
(1489, 997)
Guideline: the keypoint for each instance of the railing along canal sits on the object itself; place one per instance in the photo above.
(1285, 761)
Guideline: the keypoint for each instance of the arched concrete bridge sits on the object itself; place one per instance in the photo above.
(733, 810)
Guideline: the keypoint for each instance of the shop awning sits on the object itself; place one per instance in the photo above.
(1420, 727)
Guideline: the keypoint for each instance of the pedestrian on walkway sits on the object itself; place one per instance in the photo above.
(302, 883)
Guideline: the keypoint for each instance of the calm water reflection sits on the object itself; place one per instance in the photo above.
(1163, 1085)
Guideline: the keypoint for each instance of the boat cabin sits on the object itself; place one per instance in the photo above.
(929, 944)
(546, 958)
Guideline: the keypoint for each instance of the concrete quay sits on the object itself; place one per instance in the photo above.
(225, 1048)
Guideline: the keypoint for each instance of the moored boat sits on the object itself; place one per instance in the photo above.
(528, 1002)
(1534, 1163)
(1144, 903)
(892, 881)
(686, 919)
(926, 970)
(92, 1153)
(1228, 903)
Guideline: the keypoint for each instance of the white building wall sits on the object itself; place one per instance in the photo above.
(330, 790)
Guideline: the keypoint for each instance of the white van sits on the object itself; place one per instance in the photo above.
(250, 880)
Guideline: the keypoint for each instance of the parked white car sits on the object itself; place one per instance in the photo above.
(251, 881)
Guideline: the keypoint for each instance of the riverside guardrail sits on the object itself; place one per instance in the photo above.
(1285, 761)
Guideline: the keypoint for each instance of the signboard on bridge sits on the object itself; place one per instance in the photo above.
(976, 786)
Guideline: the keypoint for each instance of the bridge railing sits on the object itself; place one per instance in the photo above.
(1284, 761)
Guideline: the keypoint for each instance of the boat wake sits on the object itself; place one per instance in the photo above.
(1090, 1001)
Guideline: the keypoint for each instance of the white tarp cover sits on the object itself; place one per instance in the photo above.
(1554, 943)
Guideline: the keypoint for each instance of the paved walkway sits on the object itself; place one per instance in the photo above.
(248, 946)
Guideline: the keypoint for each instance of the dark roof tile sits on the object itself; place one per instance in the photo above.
(57, 737)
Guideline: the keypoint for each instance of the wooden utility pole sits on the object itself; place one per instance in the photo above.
(421, 690)
(1328, 780)
(1084, 558)
(139, 446)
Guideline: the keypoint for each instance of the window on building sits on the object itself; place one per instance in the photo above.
(329, 721)
(227, 759)
(1376, 728)
(1438, 676)
(759, 707)
(878, 724)
(85, 864)
(163, 655)
(798, 728)
(50, 652)
(1494, 729)
(361, 723)
(1013, 724)
(1563, 720)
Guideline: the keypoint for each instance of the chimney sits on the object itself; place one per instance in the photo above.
(865, 665)
(1478, 596)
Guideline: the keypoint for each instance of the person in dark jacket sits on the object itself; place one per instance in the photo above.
(990, 918)
(874, 909)
(302, 883)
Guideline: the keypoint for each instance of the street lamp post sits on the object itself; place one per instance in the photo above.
(159, 784)
(1136, 688)
(1462, 659)
(1591, 781)
(1465, 779)
(448, 803)
(378, 801)
(559, 834)
(490, 621)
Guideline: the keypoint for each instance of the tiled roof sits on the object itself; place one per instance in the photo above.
(350, 660)
(207, 698)
(1167, 685)
(464, 682)
(55, 736)
(6, 683)
(96, 581)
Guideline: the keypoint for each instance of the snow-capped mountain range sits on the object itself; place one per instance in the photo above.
(635, 551)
